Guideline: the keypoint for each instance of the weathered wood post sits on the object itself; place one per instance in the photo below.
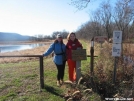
(40, 62)
(116, 50)
(41, 73)
(133, 81)
(92, 59)
(78, 55)
(114, 73)
(78, 69)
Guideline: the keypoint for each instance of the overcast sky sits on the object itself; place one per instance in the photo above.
(33, 17)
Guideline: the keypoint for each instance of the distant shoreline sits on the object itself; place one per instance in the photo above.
(36, 51)
(24, 42)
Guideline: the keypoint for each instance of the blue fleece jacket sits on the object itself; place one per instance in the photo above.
(56, 47)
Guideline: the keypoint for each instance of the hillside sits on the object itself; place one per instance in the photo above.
(4, 36)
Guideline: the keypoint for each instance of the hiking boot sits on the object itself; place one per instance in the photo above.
(58, 83)
(61, 82)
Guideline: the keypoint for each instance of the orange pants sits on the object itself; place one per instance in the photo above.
(71, 70)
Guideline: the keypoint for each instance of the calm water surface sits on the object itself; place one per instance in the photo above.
(10, 48)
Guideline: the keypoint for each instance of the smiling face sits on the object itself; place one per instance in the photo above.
(59, 39)
(72, 37)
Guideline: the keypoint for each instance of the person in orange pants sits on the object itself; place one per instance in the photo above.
(72, 44)
(71, 70)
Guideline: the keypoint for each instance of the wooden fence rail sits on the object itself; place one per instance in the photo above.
(40, 62)
(41, 65)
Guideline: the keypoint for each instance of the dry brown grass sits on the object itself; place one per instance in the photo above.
(124, 70)
(36, 51)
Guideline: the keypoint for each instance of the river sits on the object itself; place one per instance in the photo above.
(17, 47)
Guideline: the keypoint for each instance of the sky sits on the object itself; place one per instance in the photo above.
(42, 17)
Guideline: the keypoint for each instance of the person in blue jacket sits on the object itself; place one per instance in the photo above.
(58, 47)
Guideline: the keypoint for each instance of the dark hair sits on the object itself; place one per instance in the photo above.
(56, 41)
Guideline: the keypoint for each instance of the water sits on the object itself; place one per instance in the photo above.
(11, 48)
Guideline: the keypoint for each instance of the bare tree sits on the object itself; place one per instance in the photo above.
(85, 31)
(40, 37)
(47, 37)
(63, 33)
(124, 15)
(80, 4)
(106, 17)
(96, 23)
(55, 34)
(132, 29)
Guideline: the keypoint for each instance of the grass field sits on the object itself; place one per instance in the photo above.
(19, 77)
(19, 80)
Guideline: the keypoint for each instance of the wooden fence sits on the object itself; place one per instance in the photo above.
(40, 62)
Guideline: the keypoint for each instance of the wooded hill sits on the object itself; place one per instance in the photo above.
(12, 37)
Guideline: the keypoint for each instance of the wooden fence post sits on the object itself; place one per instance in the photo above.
(41, 73)
(92, 59)
(133, 82)
(115, 66)
(78, 70)
(78, 55)
(41, 66)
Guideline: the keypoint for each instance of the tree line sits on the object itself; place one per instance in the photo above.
(41, 37)
(104, 20)
(108, 18)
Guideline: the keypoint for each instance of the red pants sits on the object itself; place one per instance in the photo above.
(71, 70)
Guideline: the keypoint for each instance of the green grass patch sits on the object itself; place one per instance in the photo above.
(10, 96)
(30, 76)
(16, 82)
(21, 81)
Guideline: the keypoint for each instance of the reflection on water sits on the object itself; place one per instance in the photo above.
(10, 48)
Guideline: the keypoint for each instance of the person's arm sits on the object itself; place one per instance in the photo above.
(67, 50)
(67, 46)
(50, 50)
